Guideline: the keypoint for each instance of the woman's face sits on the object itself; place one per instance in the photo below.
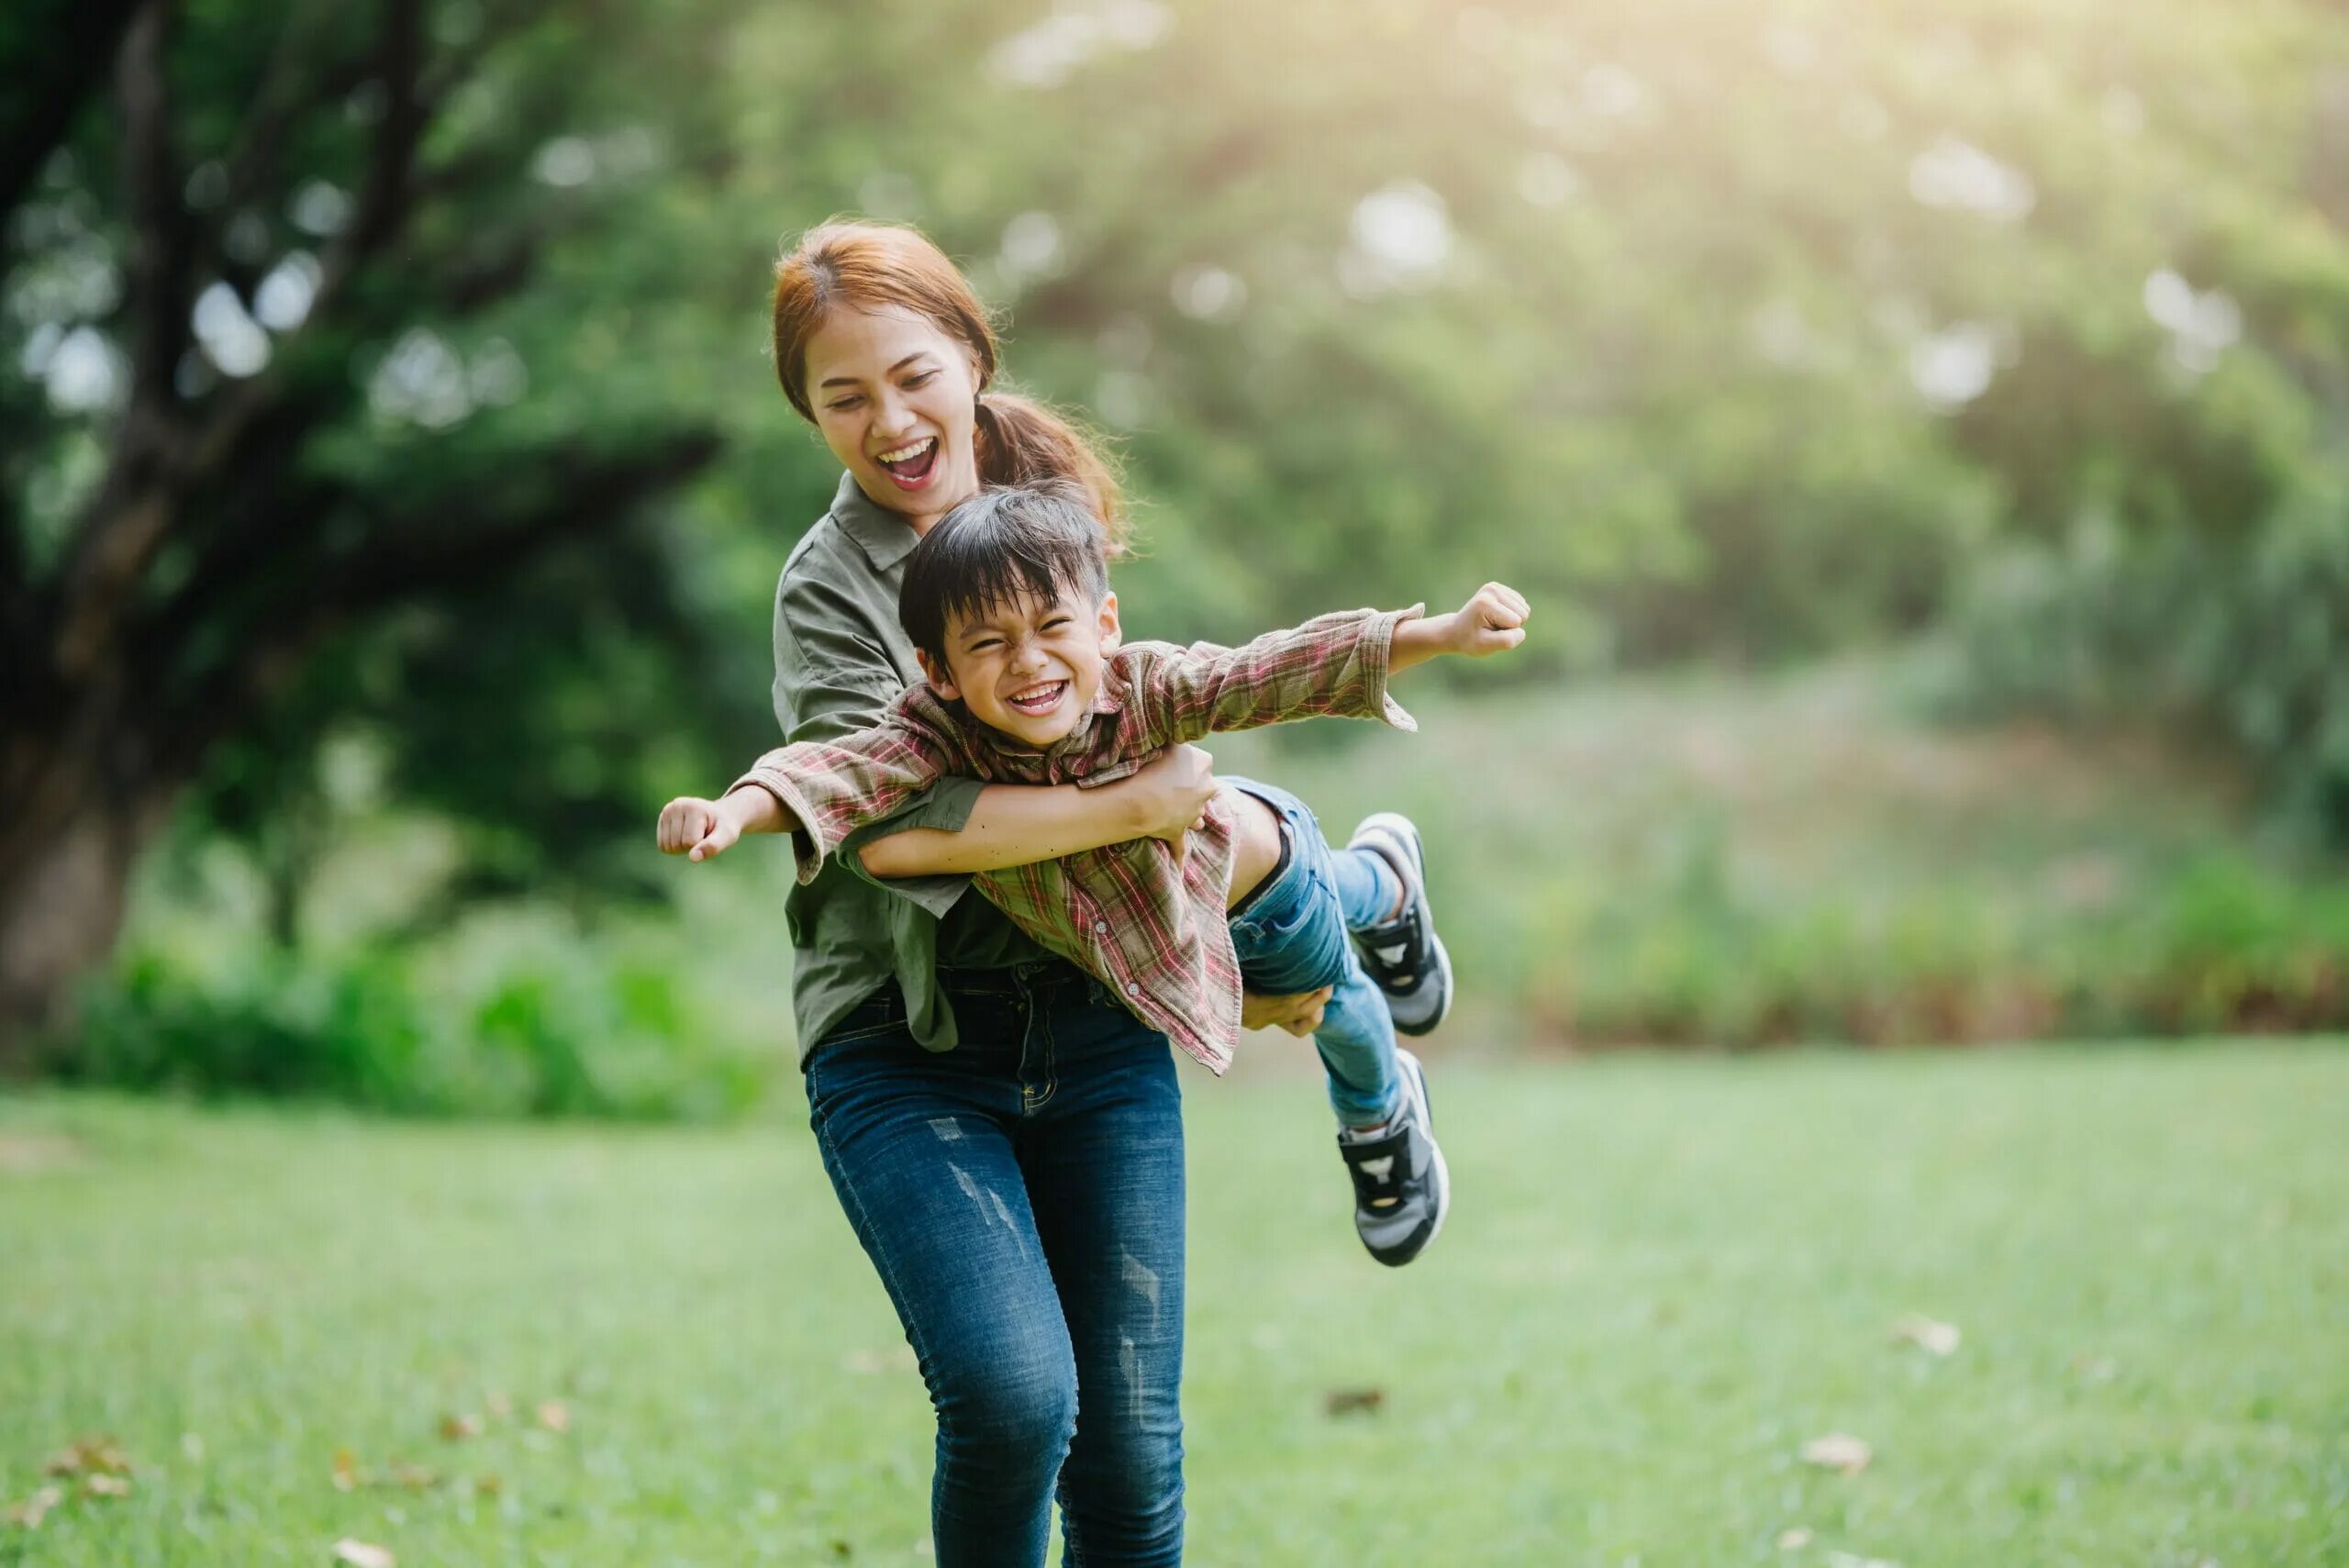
(894, 400)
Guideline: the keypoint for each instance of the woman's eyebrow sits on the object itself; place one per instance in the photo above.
(851, 380)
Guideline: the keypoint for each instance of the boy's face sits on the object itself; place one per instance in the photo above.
(1030, 668)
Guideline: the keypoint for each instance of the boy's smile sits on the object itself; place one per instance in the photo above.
(1030, 668)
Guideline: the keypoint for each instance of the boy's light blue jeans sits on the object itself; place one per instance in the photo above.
(1290, 936)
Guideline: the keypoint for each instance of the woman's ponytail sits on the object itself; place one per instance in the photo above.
(1021, 441)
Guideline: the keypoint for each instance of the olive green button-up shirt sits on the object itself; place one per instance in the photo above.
(840, 660)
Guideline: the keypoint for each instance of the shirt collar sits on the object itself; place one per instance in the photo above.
(885, 538)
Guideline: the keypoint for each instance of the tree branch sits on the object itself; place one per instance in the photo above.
(74, 53)
(158, 466)
(118, 532)
(162, 250)
(387, 188)
(466, 544)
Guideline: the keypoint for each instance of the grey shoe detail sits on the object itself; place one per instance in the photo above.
(1404, 956)
(1402, 1189)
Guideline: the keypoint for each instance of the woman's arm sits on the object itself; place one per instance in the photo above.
(1017, 825)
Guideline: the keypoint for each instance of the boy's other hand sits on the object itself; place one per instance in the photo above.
(1300, 1014)
(697, 829)
(1492, 621)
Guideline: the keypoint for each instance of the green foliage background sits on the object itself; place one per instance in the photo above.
(2013, 335)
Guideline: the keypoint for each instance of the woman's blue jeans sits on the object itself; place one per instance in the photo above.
(1021, 1196)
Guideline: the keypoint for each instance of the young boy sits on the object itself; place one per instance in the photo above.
(1008, 601)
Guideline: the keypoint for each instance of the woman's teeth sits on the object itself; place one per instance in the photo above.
(912, 460)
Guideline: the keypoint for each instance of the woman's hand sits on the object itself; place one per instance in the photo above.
(1300, 1014)
(1170, 797)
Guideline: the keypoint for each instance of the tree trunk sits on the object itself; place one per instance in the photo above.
(62, 904)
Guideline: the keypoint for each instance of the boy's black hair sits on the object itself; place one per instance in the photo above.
(1033, 540)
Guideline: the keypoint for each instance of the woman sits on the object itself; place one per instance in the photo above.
(1006, 1140)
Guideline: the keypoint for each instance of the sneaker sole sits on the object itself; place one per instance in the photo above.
(1402, 829)
(1410, 1063)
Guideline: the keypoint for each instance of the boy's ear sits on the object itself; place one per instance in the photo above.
(941, 679)
(1111, 633)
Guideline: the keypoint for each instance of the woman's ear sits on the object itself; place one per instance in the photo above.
(941, 679)
(1111, 633)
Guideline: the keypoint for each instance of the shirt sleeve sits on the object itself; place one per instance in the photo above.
(834, 786)
(832, 678)
(1333, 666)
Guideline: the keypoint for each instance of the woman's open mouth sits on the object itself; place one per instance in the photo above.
(910, 464)
(1037, 700)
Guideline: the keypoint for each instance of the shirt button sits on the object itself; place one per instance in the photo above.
(1132, 989)
(1102, 927)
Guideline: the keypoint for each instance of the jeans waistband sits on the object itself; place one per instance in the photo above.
(1009, 980)
(1256, 894)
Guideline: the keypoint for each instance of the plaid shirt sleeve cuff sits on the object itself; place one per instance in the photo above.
(1377, 653)
(807, 845)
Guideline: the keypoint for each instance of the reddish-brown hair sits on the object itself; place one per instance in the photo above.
(866, 265)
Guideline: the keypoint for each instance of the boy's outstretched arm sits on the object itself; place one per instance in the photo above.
(1492, 621)
(699, 828)
(817, 791)
(1331, 665)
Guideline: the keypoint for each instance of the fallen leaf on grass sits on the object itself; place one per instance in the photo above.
(1927, 1334)
(1793, 1540)
(1354, 1401)
(89, 1456)
(897, 1358)
(555, 1416)
(359, 1554)
(349, 1476)
(457, 1428)
(1838, 1450)
(105, 1486)
(35, 1509)
(21, 1154)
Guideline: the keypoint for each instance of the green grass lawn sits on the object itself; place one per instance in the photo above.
(1661, 1279)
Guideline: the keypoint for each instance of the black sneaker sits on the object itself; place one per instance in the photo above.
(1404, 955)
(1401, 1189)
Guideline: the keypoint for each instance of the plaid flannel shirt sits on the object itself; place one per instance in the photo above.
(1145, 920)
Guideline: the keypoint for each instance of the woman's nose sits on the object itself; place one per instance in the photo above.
(892, 415)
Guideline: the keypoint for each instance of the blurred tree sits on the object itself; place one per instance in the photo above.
(1735, 330)
(302, 412)
(355, 338)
